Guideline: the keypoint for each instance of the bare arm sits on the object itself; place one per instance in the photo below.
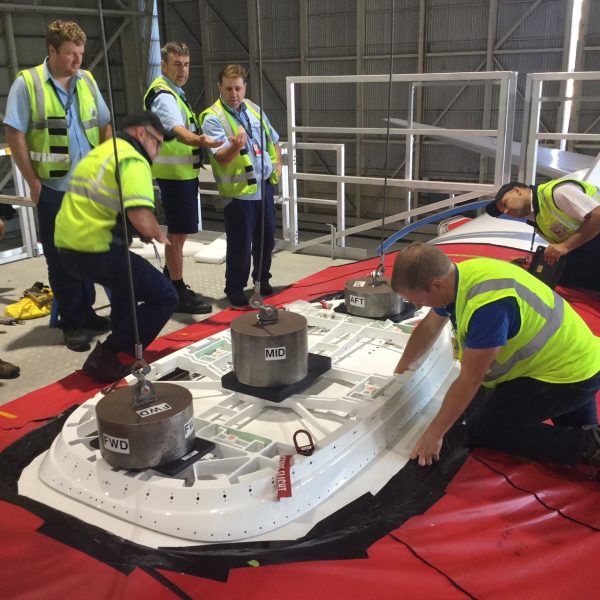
(236, 143)
(421, 339)
(145, 223)
(190, 138)
(105, 132)
(20, 153)
(590, 228)
(278, 153)
(474, 366)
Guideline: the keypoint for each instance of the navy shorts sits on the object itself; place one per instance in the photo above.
(179, 200)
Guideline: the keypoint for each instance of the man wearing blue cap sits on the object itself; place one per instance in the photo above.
(566, 212)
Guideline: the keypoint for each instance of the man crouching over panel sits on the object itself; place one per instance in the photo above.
(532, 353)
(89, 235)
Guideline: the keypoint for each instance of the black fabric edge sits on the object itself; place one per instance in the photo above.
(346, 534)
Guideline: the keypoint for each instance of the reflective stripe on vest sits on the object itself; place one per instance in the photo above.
(112, 202)
(552, 344)
(49, 157)
(255, 110)
(553, 317)
(238, 178)
(82, 186)
(176, 160)
(554, 224)
(88, 218)
(47, 136)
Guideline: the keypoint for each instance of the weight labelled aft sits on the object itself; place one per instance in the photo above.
(372, 297)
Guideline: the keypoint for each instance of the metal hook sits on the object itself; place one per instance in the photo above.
(333, 231)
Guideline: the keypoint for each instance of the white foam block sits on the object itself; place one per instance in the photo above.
(190, 248)
(214, 252)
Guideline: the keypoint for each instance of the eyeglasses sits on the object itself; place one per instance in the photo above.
(156, 139)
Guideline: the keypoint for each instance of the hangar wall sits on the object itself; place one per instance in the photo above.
(333, 37)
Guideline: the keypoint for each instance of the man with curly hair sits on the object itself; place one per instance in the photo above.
(55, 115)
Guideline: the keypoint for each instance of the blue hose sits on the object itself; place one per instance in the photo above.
(430, 219)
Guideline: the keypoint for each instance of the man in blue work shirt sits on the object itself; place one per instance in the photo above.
(533, 354)
(55, 115)
(176, 167)
(246, 167)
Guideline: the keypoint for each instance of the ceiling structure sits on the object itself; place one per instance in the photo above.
(276, 39)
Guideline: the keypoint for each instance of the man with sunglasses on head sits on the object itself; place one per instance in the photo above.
(177, 165)
(55, 115)
(89, 235)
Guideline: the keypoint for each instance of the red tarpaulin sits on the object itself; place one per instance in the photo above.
(503, 528)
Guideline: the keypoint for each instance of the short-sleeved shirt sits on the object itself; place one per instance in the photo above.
(165, 107)
(491, 326)
(213, 128)
(573, 201)
(18, 116)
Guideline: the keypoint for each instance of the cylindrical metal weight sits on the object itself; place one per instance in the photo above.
(270, 354)
(147, 436)
(364, 299)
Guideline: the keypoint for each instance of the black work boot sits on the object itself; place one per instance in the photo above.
(189, 301)
(238, 299)
(102, 364)
(8, 370)
(97, 324)
(76, 339)
(266, 289)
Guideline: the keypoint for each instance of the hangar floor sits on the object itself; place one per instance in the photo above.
(39, 350)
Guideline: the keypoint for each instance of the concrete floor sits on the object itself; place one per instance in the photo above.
(39, 350)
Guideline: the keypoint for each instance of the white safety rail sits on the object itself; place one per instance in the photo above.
(353, 413)
(461, 192)
(290, 209)
(25, 210)
(532, 136)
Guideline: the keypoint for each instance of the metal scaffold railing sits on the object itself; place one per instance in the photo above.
(458, 192)
(532, 136)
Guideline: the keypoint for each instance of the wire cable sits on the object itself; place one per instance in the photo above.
(381, 268)
(134, 321)
(262, 153)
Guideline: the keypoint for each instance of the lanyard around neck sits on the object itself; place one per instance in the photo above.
(70, 96)
(247, 126)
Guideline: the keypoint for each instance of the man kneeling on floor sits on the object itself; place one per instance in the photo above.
(534, 355)
(89, 234)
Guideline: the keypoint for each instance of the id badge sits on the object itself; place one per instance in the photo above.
(257, 150)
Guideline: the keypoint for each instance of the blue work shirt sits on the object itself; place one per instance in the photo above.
(165, 107)
(18, 115)
(243, 117)
(490, 326)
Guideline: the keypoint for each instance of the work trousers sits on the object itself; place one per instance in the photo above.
(244, 230)
(581, 266)
(75, 296)
(155, 296)
(511, 418)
